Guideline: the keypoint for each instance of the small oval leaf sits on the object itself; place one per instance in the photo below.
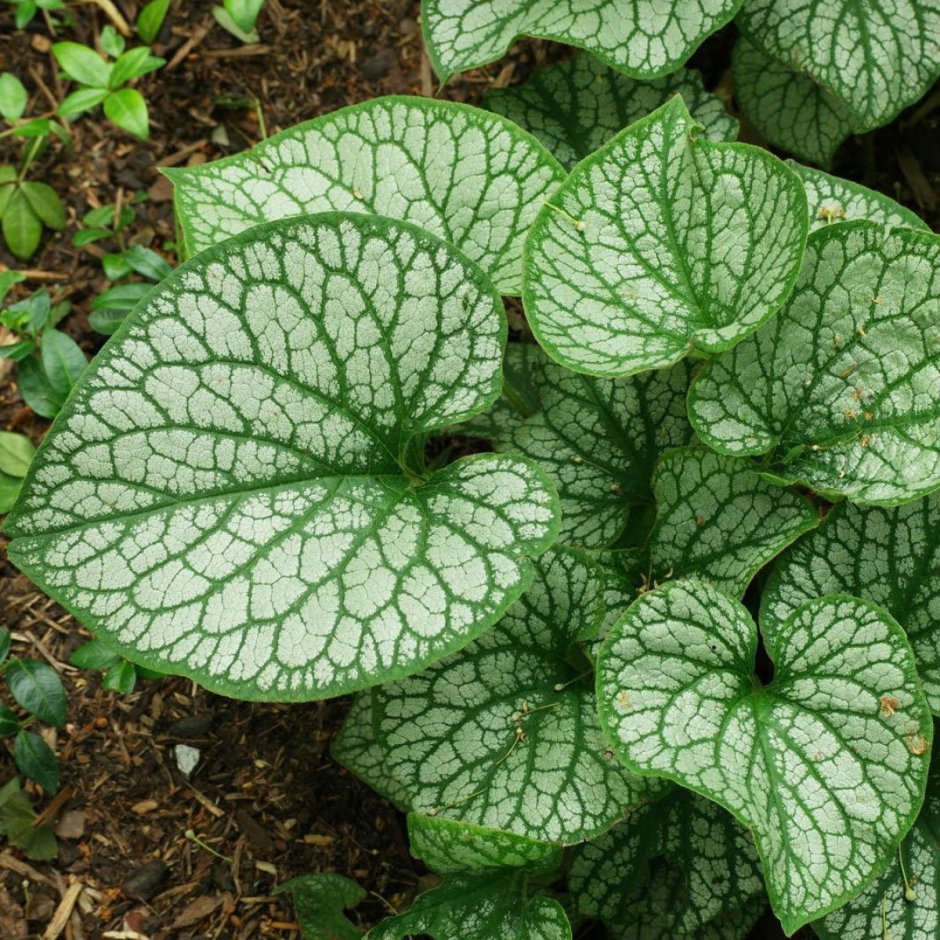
(38, 689)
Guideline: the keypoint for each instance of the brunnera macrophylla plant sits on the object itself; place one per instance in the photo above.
(668, 652)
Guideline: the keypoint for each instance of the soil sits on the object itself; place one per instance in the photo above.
(265, 794)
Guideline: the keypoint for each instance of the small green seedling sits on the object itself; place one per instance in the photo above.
(150, 20)
(238, 17)
(27, 9)
(49, 361)
(37, 694)
(104, 82)
(120, 675)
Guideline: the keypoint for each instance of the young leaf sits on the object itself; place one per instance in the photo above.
(479, 907)
(21, 226)
(151, 20)
(224, 19)
(62, 361)
(36, 390)
(659, 244)
(38, 689)
(719, 521)
(147, 262)
(45, 202)
(471, 177)
(132, 64)
(679, 868)
(877, 58)
(788, 107)
(319, 902)
(598, 439)
(244, 12)
(94, 655)
(244, 501)
(81, 64)
(34, 758)
(121, 677)
(81, 100)
(642, 38)
(128, 110)
(115, 266)
(840, 387)
(578, 105)
(832, 199)
(503, 734)
(16, 453)
(827, 778)
(887, 909)
(111, 41)
(888, 556)
(13, 97)
(446, 846)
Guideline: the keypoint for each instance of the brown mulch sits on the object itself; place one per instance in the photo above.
(265, 795)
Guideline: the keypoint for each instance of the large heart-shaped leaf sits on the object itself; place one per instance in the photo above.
(877, 57)
(504, 734)
(718, 521)
(888, 556)
(643, 38)
(467, 175)
(447, 846)
(576, 106)
(679, 868)
(832, 199)
(662, 243)
(235, 490)
(826, 776)
(788, 107)
(598, 439)
(479, 907)
(841, 386)
(904, 904)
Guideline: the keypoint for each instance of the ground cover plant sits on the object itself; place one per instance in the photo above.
(632, 578)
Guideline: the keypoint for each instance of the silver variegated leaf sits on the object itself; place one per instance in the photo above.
(660, 244)
(816, 764)
(642, 38)
(576, 106)
(889, 556)
(840, 388)
(469, 176)
(679, 869)
(235, 490)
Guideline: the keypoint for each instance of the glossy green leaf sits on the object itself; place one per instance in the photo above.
(9, 723)
(503, 734)
(37, 688)
(128, 109)
(34, 758)
(642, 38)
(13, 97)
(244, 12)
(888, 556)
(121, 677)
(16, 453)
(151, 19)
(147, 262)
(840, 388)
(662, 243)
(235, 491)
(469, 176)
(82, 64)
(788, 108)
(719, 521)
(679, 869)
(877, 57)
(598, 439)
(36, 389)
(45, 202)
(62, 361)
(479, 907)
(94, 655)
(447, 846)
(81, 100)
(22, 228)
(827, 779)
(576, 106)
(904, 904)
(832, 199)
(319, 902)
(132, 64)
